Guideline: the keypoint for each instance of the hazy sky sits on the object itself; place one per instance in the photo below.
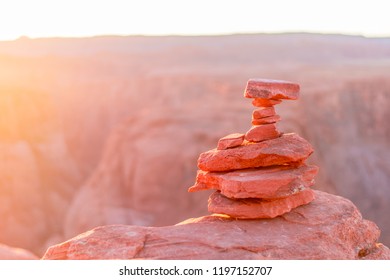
(75, 18)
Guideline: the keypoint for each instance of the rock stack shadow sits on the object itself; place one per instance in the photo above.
(260, 174)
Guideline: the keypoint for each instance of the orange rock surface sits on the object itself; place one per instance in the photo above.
(263, 112)
(230, 141)
(271, 119)
(271, 89)
(330, 227)
(287, 149)
(266, 182)
(262, 132)
(254, 208)
(261, 102)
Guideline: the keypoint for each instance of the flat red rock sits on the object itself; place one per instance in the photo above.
(230, 141)
(271, 89)
(266, 182)
(261, 102)
(254, 208)
(263, 112)
(267, 120)
(263, 132)
(287, 149)
(330, 227)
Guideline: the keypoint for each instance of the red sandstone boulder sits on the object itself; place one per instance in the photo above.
(266, 182)
(230, 141)
(271, 89)
(263, 132)
(11, 253)
(255, 208)
(330, 227)
(287, 149)
(261, 102)
(271, 119)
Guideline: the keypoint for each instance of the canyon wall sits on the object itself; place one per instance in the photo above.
(107, 130)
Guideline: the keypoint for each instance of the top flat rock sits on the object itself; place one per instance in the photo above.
(271, 89)
(286, 149)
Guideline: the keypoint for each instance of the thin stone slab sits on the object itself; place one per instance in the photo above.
(261, 102)
(254, 208)
(262, 132)
(271, 89)
(266, 182)
(267, 120)
(263, 112)
(287, 149)
(230, 141)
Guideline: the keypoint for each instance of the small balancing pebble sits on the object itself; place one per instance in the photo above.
(263, 132)
(263, 112)
(230, 141)
(266, 120)
(261, 102)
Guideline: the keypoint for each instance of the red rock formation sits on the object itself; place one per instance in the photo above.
(262, 132)
(263, 102)
(330, 227)
(92, 94)
(266, 120)
(263, 112)
(271, 89)
(11, 253)
(266, 182)
(257, 208)
(230, 141)
(260, 192)
(287, 149)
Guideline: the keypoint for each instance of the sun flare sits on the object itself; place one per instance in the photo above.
(47, 18)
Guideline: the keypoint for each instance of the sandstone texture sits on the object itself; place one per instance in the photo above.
(11, 253)
(263, 113)
(255, 208)
(287, 149)
(330, 227)
(271, 89)
(260, 133)
(266, 182)
(262, 102)
(230, 141)
(266, 120)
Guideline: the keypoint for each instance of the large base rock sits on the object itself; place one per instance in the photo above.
(330, 227)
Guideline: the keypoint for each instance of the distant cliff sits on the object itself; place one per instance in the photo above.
(88, 123)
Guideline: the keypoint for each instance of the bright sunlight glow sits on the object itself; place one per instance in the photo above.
(79, 18)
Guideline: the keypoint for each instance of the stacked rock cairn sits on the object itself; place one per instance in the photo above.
(260, 174)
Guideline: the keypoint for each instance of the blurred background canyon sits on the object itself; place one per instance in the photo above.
(108, 130)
